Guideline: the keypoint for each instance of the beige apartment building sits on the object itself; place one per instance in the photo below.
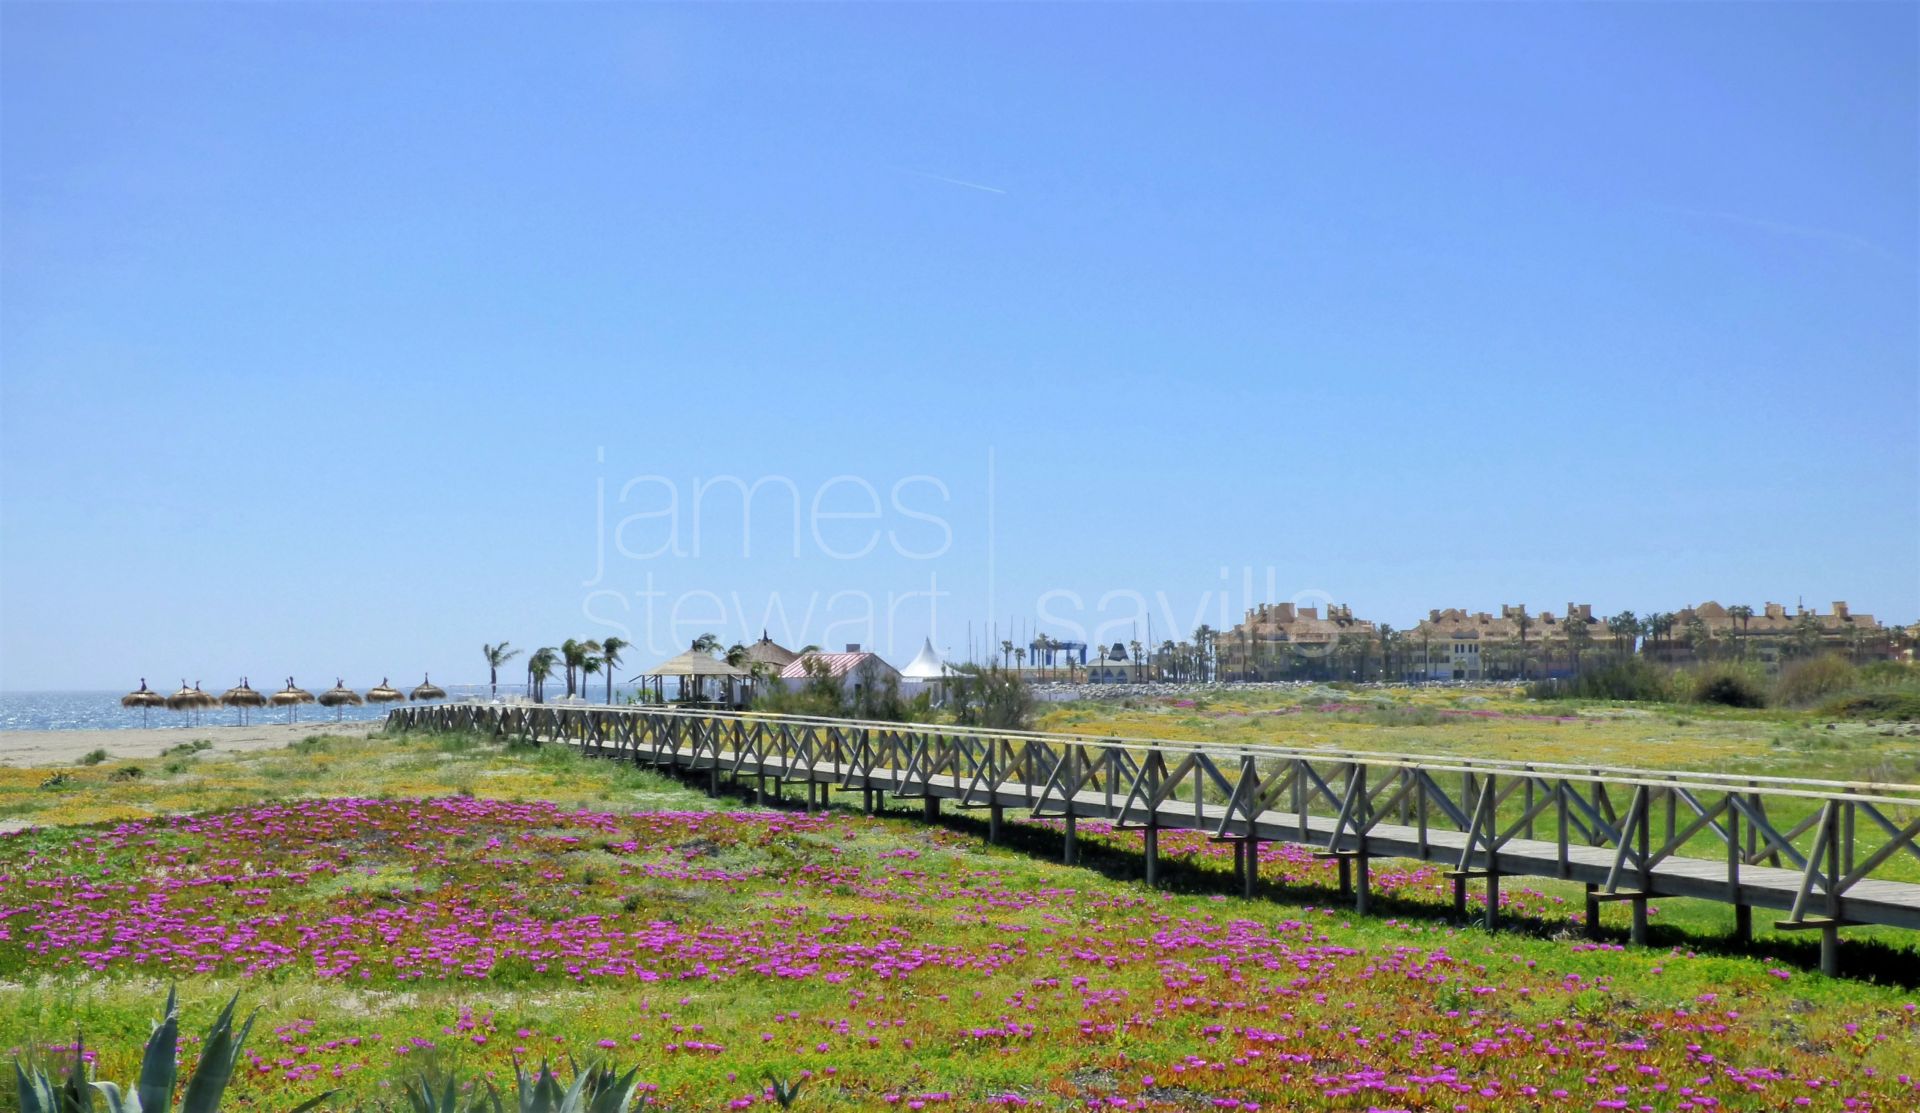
(1283, 639)
(1771, 634)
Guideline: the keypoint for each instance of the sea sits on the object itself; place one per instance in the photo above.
(102, 711)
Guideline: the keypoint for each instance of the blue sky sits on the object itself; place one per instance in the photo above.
(339, 339)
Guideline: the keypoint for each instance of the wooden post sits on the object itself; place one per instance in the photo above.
(1300, 796)
(1150, 838)
(1742, 911)
(993, 823)
(1642, 837)
(1830, 931)
(1490, 794)
(1561, 809)
(1070, 848)
(1593, 911)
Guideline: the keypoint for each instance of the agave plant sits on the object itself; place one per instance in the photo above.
(159, 1070)
(427, 1094)
(784, 1093)
(595, 1090)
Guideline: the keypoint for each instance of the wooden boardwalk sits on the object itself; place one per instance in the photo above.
(1824, 854)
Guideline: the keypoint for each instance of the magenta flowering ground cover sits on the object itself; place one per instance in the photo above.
(888, 964)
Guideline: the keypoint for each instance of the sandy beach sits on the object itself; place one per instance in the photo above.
(65, 747)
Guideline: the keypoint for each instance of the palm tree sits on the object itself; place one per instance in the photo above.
(1133, 648)
(1006, 650)
(1578, 636)
(540, 670)
(1654, 627)
(1624, 626)
(610, 656)
(707, 643)
(1742, 614)
(1522, 621)
(737, 655)
(574, 656)
(497, 655)
(1699, 638)
(1387, 642)
(1806, 635)
(1202, 642)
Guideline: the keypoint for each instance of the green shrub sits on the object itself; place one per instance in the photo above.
(94, 757)
(1890, 674)
(1632, 679)
(1729, 685)
(990, 697)
(1812, 680)
(1904, 706)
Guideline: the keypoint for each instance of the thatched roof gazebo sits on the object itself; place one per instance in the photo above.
(768, 652)
(146, 699)
(692, 671)
(340, 697)
(427, 690)
(242, 698)
(764, 659)
(384, 692)
(290, 697)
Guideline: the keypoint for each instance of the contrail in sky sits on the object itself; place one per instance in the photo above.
(951, 181)
(1824, 235)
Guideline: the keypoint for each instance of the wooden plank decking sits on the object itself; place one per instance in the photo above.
(1824, 853)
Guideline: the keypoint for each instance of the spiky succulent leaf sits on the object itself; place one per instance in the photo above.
(116, 1101)
(312, 1102)
(159, 1066)
(614, 1095)
(36, 1090)
(575, 1100)
(76, 1094)
(218, 1053)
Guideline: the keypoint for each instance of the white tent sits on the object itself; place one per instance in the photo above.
(926, 666)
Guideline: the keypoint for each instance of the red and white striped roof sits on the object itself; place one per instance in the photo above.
(838, 664)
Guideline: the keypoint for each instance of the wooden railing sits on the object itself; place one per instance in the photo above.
(1826, 853)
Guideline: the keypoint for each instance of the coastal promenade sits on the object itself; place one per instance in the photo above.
(1824, 855)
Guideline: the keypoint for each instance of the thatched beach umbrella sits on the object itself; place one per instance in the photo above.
(385, 693)
(146, 699)
(291, 698)
(242, 698)
(191, 700)
(340, 697)
(427, 690)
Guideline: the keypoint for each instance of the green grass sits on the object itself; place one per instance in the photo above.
(878, 956)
